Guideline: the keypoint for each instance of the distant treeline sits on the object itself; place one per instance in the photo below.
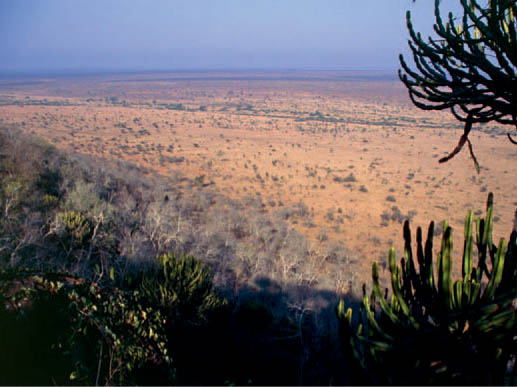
(35, 102)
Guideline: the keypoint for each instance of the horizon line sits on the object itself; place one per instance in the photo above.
(9, 73)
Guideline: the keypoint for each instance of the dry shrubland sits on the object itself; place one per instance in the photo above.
(286, 187)
(350, 147)
(99, 220)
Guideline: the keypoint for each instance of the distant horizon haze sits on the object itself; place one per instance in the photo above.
(206, 74)
(58, 36)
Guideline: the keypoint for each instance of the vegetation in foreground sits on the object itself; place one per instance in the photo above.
(77, 308)
(431, 329)
(85, 300)
(469, 68)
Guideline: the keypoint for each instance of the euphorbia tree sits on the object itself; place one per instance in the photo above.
(469, 67)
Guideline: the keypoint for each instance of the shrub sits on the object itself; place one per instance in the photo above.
(347, 179)
(82, 333)
(74, 224)
(48, 182)
(434, 330)
(182, 288)
(49, 201)
(72, 228)
(13, 192)
(390, 198)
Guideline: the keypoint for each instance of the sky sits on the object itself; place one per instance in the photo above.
(165, 35)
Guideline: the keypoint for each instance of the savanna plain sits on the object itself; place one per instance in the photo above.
(343, 157)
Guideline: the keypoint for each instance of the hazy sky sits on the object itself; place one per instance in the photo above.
(83, 35)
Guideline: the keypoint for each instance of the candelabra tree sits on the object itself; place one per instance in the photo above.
(469, 67)
(432, 329)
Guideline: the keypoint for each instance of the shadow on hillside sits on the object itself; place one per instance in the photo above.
(258, 344)
(273, 333)
(255, 341)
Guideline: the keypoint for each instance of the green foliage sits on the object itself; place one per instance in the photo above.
(73, 229)
(182, 288)
(49, 201)
(111, 332)
(102, 221)
(121, 331)
(432, 329)
(48, 182)
(84, 197)
(12, 193)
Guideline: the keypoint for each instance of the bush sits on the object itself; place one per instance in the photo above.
(72, 228)
(12, 194)
(182, 288)
(67, 330)
(49, 201)
(197, 325)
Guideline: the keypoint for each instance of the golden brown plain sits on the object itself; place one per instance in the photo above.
(353, 150)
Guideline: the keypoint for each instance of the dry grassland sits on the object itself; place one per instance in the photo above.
(349, 146)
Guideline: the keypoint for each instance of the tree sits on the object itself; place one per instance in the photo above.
(432, 329)
(470, 68)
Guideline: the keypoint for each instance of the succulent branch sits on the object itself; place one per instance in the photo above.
(469, 67)
(433, 329)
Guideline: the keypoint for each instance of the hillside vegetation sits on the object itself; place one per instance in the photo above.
(111, 274)
(90, 250)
